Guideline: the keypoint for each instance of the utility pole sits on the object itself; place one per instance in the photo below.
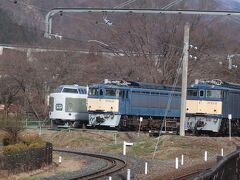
(184, 79)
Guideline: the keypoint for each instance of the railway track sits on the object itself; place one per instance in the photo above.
(190, 175)
(113, 165)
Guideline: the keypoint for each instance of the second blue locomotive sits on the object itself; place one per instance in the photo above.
(209, 103)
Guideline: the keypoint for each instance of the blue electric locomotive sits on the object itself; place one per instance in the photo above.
(208, 105)
(121, 104)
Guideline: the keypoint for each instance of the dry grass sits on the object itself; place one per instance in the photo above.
(170, 147)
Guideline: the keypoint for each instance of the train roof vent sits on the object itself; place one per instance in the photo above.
(196, 81)
(116, 82)
(217, 82)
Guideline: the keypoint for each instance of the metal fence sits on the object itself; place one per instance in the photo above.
(228, 167)
(26, 160)
(35, 124)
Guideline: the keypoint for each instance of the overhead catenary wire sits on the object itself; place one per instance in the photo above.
(124, 3)
(171, 4)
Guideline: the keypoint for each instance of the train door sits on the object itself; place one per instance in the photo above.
(201, 102)
(123, 101)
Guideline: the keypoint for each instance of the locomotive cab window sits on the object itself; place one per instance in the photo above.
(214, 93)
(192, 93)
(122, 93)
(93, 91)
(201, 93)
(69, 90)
(110, 92)
(101, 92)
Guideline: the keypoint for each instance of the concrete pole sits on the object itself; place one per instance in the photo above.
(184, 79)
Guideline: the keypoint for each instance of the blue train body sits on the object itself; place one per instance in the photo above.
(113, 101)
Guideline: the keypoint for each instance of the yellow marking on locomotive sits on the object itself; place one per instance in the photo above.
(106, 105)
(204, 107)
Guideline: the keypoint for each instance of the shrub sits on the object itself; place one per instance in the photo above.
(11, 126)
(15, 148)
(30, 138)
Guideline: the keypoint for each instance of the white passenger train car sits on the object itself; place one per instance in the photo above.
(67, 105)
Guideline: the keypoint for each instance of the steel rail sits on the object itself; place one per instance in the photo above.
(191, 174)
(116, 164)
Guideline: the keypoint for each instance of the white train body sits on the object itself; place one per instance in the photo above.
(68, 104)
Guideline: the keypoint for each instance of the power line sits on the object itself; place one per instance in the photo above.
(171, 4)
(168, 105)
(125, 3)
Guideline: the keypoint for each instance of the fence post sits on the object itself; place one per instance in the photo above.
(205, 156)
(128, 174)
(146, 168)
(182, 160)
(60, 159)
(176, 163)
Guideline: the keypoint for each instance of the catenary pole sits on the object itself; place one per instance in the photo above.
(184, 78)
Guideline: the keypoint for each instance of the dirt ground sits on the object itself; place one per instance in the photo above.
(169, 147)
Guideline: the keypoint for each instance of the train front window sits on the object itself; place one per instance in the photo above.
(192, 93)
(58, 90)
(93, 92)
(82, 91)
(111, 92)
(69, 90)
(214, 94)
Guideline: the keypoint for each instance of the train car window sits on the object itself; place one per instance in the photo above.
(163, 94)
(122, 93)
(93, 91)
(126, 94)
(58, 89)
(136, 92)
(154, 93)
(192, 92)
(201, 93)
(110, 92)
(85, 91)
(214, 94)
(69, 90)
(101, 92)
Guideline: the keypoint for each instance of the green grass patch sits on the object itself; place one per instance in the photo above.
(184, 146)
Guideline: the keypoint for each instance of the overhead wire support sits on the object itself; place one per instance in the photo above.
(51, 13)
